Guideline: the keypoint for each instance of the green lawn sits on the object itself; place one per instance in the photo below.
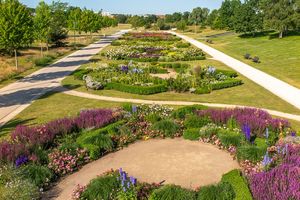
(279, 57)
(249, 94)
(53, 106)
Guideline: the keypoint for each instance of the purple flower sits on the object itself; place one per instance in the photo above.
(124, 68)
(293, 134)
(247, 132)
(21, 160)
(267, 133)
(267, 160)
(134, 108)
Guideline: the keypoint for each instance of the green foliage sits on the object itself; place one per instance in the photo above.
(226, 13)
(199, 16)
(19, 187)
(181, 113)
(43, 61)
(191, 134)
(251, 152)
(15, 26)
(226, 84)
(209, 130)
(239, 184)
(78, 74)
(194, 121)
(167, 127)
(37, 174)
(96, 142)
(181, 25)
(231, 74)
(221, 191)
(232, 124)
(104, 187)
(182, 44)
(143, 90)
(153, 117)
(228, 137)
(136, 21)
(172, 192)
(203, 90)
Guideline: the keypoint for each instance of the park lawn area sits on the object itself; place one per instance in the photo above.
(53, 106)
(248, 94)
(201, 32)
(279, 57)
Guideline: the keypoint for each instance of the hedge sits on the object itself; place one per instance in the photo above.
(226, 84)
(239, 185)
(143, 90)
(231, 74)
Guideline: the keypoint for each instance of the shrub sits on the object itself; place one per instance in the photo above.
(222, 191)
(172, 192)
(79, 74)
(203, 90)
(194, 121)
(226, 84)
(143, 90)
(37, 174)
(251, 152)
(167, 127)
(182, 44)
(44, 61)
(152, 118)
(239, 184)
(104, 187)
(231, 74)
(247, 56)
(96, 142)
(229, 138)
(191, 134)
(208, 131)
(256, 59)
(180, 113)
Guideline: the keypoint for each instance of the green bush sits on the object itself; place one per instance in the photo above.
(43, 61)
(157, 70)
(194, 121)
(191, 134)
(116, 43)
(152, 118)
(239, 184)
(167, 127)
(226, 84)
(37, 174)
(228, 138)
(78, 74)
(251, 152)
(104, 187)
(181, 113)
(221, 191)
(172, 192)
(203, 90)
(231, 74)
(182, 45)
(209, 130)
(96, 142)
(143, 90)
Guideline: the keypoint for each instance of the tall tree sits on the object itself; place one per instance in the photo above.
(15, 26)
(181, 25)
(136, 21)
(281, 15)
(199, 16)
(213, 15)
(59, 22)
(248, 18)
(226, 13)
(74, 22)
(42, 22)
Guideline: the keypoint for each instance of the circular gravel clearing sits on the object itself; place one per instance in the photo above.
(177, 161)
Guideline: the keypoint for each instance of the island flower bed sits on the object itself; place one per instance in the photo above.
(69, 143)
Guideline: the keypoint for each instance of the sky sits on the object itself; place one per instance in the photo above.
(137, 6)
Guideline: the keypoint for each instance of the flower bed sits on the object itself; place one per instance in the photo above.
(47, 152)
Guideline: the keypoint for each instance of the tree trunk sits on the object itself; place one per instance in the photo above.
(74, 40)
(281, 34)
(41, 48)
(47, 46)
(16, 59)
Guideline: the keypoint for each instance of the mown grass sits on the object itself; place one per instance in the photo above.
(279, 57)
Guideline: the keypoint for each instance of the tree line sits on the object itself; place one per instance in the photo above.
(47, 24)
(247, 17)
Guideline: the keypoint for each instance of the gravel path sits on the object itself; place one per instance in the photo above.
(178, 103)
(177, 161)
(280, 88)
(15, 97)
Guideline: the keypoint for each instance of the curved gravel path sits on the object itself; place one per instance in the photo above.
(177, 161)
(278, 87)
(178, 103)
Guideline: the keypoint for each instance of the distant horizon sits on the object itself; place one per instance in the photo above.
(137, 7)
